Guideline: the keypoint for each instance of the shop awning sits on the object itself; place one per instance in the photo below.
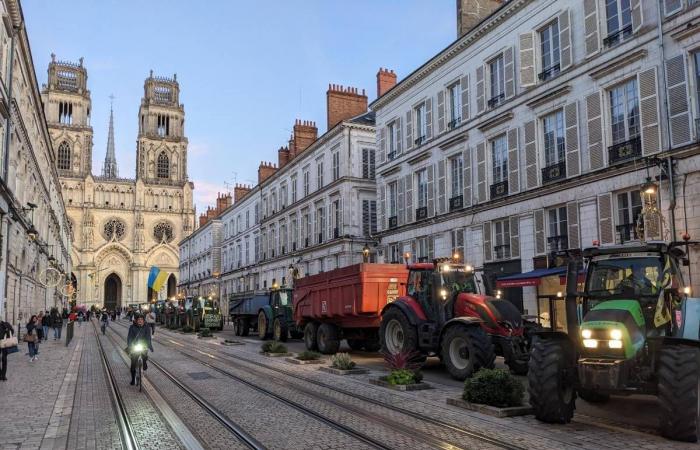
(531, 278)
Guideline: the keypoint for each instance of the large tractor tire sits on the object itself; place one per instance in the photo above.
(592, 396)
(396, 333)
(279, 330)
(552, 394)
(245, 327)
(516, 354)
(466, 349)
(327, 339)
(263, 332)
(310, 336)
(679, 369)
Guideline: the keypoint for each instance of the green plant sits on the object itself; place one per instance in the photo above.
(410, 360)
(307, 355)
(273, 347)
(265, 347)
(187, 329)
(401, 377)
(205, 332)
(342, 361)
(494, 387)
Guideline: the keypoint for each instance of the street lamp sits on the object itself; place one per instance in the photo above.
(365, 253)
(407, 257)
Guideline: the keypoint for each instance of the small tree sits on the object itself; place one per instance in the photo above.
(494, 387)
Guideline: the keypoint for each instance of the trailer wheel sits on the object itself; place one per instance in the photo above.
(678, 392)
(262, 326)
(552, 393)
(237, 327)
(466, 349)
(310, 336)
(245, 327)
(279, 330)
(327, 339)
(396, 333)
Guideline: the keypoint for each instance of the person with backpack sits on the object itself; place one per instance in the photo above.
(31, 338)
(9, 345)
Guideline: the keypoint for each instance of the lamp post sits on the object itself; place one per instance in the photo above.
(407, 257)
(365, 254)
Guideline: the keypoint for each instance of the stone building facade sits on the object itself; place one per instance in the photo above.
(534, 132)
(34, 234)
(121, 227)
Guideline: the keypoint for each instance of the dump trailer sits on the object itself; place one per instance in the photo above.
(346, 303)
(268, 312)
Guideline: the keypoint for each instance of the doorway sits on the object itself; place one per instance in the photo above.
(113, 292)
(172, 286)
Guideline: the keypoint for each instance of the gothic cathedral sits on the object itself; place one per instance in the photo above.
(121, 227)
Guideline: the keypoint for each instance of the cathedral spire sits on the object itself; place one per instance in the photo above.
(109, 170)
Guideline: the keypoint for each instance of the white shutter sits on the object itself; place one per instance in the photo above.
(431, 190)
(399, 131)
(486, 233)
(509, 69)
(572, 223)
(531, 176)
(590, 25)
(595, 130)
(441, 110)
(527, 59)
(382, 143)
(464, 85)
(573, 159)
(409, 197)
(637, 15)
(429, 118)
(678, 102)
(672, 6)
(565, 49)
(442, 187)
(649, 111)
(467, 180)
(540, 247)
(401, 200)
(513, 162)
(409, 130)
(480, 90)
(481, 171)
(381, 225)
(605, 219)
(514, 237)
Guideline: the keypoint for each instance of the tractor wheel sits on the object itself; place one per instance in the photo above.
(310, 336)
(263, 334)
(592, 396)
(356, 344)
(327, 338)
(518, 366)
(516, 354)
(466, 349)
(552, 393)
(245, 327)
(237, 327)
(279, 330)
(679, 366)
(396, 333)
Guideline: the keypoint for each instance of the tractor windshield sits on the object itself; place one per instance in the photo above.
(284, 298)
(634, 276)
(457, 279)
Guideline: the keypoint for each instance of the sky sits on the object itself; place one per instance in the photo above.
(247, 69)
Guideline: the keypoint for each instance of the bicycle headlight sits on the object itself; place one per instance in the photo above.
(138, 348)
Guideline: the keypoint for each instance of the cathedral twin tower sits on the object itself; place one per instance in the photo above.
(121, 227)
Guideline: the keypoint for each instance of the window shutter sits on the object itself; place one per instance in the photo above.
(573, 161)
(329, 221)
(509, 69)
(481, 171)
(530, 155)
(565, 58)
(409, 197)
(442, 187)
(572, 223)
(464, 85)
(401, 201)
(467, 180)
(649, 111)
(365, 217)
(429, 118)
(678, 108)
(314, 237)
(590, 24)
(605, 219)
(414, 249)
(441, 110)
(365, 163)
(513, 162)
(514, 237)
(527, 59)
(409, 130)
(487, 241)
(539, 232)
(372, 165)
(672, 6)
(399, 130)
(342, 220)
(382, 144)
(637, 15)
(431, 190)
(431, 247)
(595, 131)
(381, 225)
(480, 90)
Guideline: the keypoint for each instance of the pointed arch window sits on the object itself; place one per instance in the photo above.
(163, 165)
(64, 162)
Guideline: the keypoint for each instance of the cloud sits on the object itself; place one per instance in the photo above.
(205, 194)
(198, 149)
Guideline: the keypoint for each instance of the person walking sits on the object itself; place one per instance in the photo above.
(45, 325)
(6, 332)
(31, 338)
(151, 322)
(80, 318)
(56, 322)
(104, 320)
(39, 327)
(72, 317)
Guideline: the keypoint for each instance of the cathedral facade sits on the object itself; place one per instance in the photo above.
(121, 227)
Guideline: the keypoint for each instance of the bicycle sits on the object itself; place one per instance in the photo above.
(139, 349)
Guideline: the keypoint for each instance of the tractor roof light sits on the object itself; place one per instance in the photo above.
(590, 343)
(586, 333)
(616, 334)
(498, 294)
(443, 293)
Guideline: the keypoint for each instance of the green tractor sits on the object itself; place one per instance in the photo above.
(632, 330)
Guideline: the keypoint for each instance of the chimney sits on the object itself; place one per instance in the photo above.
(265, 171)
(386, 79)
(223, 201)
(343, 103)
(305, 133)
(471, 12)
(211, 213)
(283, 157)
(202, 219)
(240, 191)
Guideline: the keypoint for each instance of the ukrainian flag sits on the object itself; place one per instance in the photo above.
(156, 278)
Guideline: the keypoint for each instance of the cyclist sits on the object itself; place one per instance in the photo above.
(104, 319)
(138, 333)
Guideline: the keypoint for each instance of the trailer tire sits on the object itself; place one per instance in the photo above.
(310, 336)
(263, 334)
(552, 395)
(402, 336)
(472, 339)
(327, 339)
(279, 330)
(245, 327)
(679, 382)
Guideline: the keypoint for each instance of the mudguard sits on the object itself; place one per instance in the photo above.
(411, 309)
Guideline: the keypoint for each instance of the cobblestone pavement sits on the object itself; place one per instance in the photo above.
(584, 432)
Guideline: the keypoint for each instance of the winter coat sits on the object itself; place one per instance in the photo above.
(137, 333)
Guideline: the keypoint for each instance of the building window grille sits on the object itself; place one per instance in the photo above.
(163, 165)
(64, 156)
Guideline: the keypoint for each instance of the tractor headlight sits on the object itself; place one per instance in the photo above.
(616, 335)
(443, 293)
(590, 343)
(586, 333)
(615, 343)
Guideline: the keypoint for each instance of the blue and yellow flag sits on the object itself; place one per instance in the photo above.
(156, 278)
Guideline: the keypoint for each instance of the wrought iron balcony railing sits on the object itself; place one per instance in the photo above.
(456, 203)
(496, 100)
(420, 140)
(625, 150)
(501, 251)
(422, 213)
(554, 172)
(393, 222)
(454, 123)
(558, 243)
(549, 72)
(618, 36)
(499, 189)
(626, 232)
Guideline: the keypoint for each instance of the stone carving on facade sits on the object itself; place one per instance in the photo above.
(114, 230)
(163, 232)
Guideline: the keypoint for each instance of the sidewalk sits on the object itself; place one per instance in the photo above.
(36, 401)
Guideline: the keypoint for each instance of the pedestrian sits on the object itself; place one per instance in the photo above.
(80, 317)
(151, 322)
(56, 322)
(39, 325)
(45, 325)
(104, 320)
(72, 317)
(31, 338)
(8, 344)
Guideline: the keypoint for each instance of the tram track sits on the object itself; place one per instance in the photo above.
(392, 424)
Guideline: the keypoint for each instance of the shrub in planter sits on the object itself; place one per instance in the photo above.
(265, 347)
(187, 329)
(410, 360)
(307, 355)
(402, 377)
(494, 387)
(205, 332)
(273, 347)
(342, 361)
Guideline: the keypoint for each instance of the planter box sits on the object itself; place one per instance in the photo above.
(491, 410)
(206, 337)
(275, 355)
(232, 343)
(334, 371)
(300, 362)
(400, 387)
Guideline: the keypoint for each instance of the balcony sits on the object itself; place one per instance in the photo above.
(496, 100)
(501, 251)
(558, 243)
(554, 172)
(422, 213)
(615, 38)
(320, 238)
(627, 232)
(625, 150)
(391, 156)
(456, 203)
(499, 189)
(393, 222)
(549, 72)
(419, 140)
(454, 123)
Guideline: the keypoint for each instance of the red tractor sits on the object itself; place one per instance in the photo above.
(444, 314)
